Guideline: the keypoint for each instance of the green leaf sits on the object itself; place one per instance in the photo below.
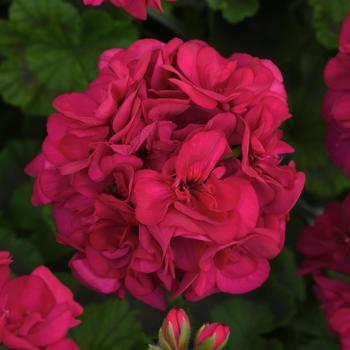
(321, 344)
(29, 16)
(32, 222)
(68, 62)
(11, 41)
(310, 321)
(280, 300)
(268, 308)
(101, 31)
(247, 320)
(51, 48)
(111, 325)
(154, 347)
(264, 344)
(70, 281)
(274, 344)
(328, 17)
(21, 207)
(13, 158)
(235, 10)
(37, 223)
(25, 255)
(19, 87)
(285, 272)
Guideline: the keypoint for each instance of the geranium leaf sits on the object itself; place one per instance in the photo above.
(25, 255)
(235, 10)
(51, 48)
(38, 223)
(30, 16)
(262, 311)
(285, 272)
(328, 16)
(321, 344)
(20, 87)
(11, 40)
(310, 320)
(111, 325)
(247, 320)
(13, 157)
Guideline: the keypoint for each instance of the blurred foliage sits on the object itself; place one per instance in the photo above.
(24, 252)
(327, 18)
(235, 10)
(52, 46)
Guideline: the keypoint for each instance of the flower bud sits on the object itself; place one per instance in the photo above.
(175, 331)
(212, 336)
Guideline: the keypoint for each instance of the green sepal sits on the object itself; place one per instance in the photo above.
(154, 347)
(184, 336)
(208, 344)
(164, 345)
(171, 337)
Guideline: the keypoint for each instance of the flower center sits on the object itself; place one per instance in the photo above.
(119, 192)
(182, 190)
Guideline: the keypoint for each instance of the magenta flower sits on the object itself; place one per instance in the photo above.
(36, 311)
(136, 8)
(166, 174)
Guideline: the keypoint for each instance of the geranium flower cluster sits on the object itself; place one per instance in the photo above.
(336, 108)
(167, 174)
(136, 8)
(36, 311)
(326, 247)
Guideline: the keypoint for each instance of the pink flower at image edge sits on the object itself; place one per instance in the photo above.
(36, 310)
(336, 106)
(136, 8)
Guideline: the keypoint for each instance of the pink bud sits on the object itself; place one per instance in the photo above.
(212, 336)
(175, 331)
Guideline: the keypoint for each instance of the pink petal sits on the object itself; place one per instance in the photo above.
(198, 156)
(152, 195)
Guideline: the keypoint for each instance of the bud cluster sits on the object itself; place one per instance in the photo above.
(176, 331)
